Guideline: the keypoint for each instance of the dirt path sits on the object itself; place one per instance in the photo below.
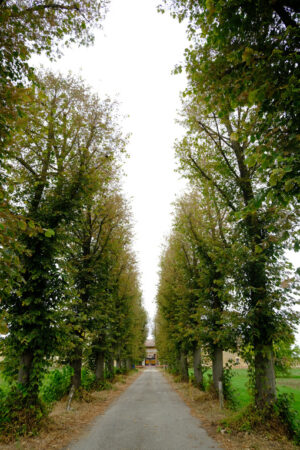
(148, 416)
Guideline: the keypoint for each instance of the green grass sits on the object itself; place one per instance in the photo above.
(285, 384)
(3, 384)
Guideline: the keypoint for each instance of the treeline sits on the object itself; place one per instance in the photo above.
(70, 291)
(225, 282)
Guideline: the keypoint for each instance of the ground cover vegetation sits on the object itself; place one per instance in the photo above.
(225, 282)
(70, 300)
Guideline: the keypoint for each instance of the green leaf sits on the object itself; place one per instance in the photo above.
(49, 232)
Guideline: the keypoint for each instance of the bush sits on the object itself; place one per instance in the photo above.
(103, 385)
(88, 379)
(288, 415)
(56, 384)
(228, 390)
(279, 419)
(21, 413)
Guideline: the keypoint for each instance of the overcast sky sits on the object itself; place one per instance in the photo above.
(132, 60)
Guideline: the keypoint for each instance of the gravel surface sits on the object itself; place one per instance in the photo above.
(148, 416)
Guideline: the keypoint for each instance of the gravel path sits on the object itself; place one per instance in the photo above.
(148, 416)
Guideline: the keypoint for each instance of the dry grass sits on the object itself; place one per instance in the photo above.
(205, 407)
(293, 383)
(62, 427)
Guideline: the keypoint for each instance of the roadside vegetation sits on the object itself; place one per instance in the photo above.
(225, 281)
(70, 300)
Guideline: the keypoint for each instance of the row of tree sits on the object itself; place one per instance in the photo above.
(69, 282)
(225, 283)
(77, 289)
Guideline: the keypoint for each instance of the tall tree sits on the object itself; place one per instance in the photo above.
(69, 135)
(246, 54)
(214, 152)
(204, 260)
(29, 28)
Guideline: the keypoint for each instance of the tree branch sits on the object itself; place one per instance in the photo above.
(208, 178)
(27, 166)
(54, 6)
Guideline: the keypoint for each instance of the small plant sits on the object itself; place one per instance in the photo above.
(56, 384)
(88, 379)
(103, 385)
(290, 417)
(228, 390)
(21, 413)
(278, 419)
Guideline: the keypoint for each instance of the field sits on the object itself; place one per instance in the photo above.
(289, 385)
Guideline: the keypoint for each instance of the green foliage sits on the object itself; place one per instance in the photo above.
(20, 413)
(288, 415)
(56, 384)
(103, 385)
(28, 29)
(54, 177)
(88, 379)
(286, 355)
(228, 389)
(244, 54)
(279, 418)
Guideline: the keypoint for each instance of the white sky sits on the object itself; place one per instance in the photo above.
(132, 60)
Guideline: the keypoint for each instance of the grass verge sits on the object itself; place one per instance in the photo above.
(206, 407)
(62, 427)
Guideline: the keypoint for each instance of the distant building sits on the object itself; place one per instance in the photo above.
(151, 354)
(234, 358)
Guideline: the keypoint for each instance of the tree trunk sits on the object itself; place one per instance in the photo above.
(217, 366)
(128, 364)
(110, 368)
(184, 374)
(99, 371)
(25, 367)
(198, 368)
(265, 385)
(76, 378)
(123, 364)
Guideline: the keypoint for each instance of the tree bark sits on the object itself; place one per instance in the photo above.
(110, 368)
(217, 366)
(184, 374)
(265, 384)
(128, 364)
(76, 378)
(99, 370)
(25, 367)
(198, 368)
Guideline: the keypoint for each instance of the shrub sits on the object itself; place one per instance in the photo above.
(228, 390)
(88, 379)
(278, 419)
(288, 415)
(20, 412)
(56, 384)
(103, 385)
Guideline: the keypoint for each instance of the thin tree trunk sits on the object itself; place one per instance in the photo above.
(198, 368)
(217, 367)
(25, 367)
(99, 371)
(184, 374)
(123, 364)
(76, 378)
(128, 364)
